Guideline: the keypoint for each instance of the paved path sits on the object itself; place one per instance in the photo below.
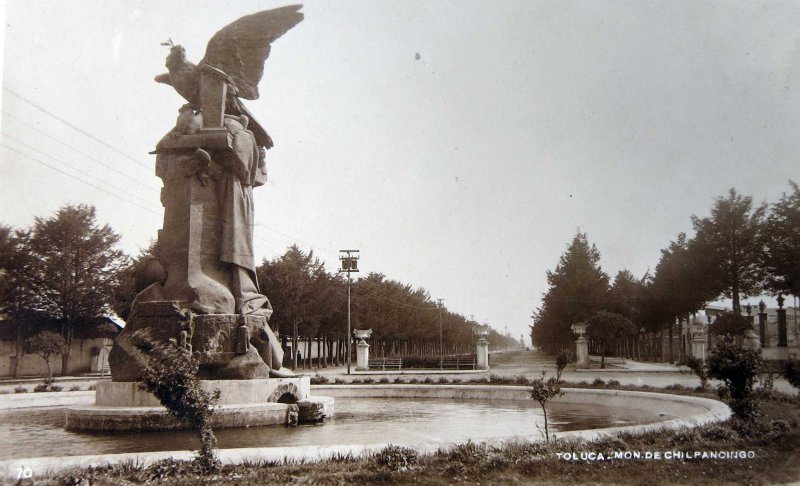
(529, 364)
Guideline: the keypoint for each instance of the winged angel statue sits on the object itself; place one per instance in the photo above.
(209, 163)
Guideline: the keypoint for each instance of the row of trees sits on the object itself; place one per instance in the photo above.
(67, 269)
(404, 319)
(740, 250)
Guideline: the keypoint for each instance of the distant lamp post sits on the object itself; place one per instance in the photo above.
(441, 346)
(349, 265)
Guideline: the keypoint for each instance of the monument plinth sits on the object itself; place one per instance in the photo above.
(202, 295)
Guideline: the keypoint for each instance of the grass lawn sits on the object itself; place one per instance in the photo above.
(774, 441)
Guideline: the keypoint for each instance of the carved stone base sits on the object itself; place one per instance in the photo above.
(228, 346)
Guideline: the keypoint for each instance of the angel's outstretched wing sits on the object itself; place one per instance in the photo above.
(241, 48)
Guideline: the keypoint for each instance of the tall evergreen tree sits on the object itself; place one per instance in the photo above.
(299, 290)
(781, 259)
(71, 269)
(578, 289)
(728, 247)
(624, 295)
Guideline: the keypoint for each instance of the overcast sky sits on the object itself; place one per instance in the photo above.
(459, 145)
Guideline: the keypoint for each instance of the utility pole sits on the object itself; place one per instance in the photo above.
(349, 265)
(441, 347)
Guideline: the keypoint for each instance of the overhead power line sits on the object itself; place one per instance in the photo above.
(78, 169)
(78, 178)
(109, 167)
(77, 129)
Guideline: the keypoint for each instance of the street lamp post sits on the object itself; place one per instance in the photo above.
(349, 265)
(441, 346)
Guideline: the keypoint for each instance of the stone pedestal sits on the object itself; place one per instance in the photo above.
(243, 403)
(782, 336)
(483, 354)
(699, 345)
(362, 356)
(582, 352)
(233, 347)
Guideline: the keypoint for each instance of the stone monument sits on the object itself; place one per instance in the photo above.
(362, 348)
(202, 294)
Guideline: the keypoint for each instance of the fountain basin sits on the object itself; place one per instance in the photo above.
(682, 411)
(123, 406)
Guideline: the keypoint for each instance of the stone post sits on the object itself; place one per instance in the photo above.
(581, 346)
(762, 323)
(483, 353)
(699, 345)
(362, 356)
(782, 338)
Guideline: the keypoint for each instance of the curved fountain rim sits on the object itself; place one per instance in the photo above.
(716, 411)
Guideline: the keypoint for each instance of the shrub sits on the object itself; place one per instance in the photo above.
(561, 362)
(729, 325)
(791, 371)
(74, 388)
(171, 375)
(92, 387)
(399, 380)
(427, 380)
(356, 381)
(368, 381)
(717, 433)
(468, 453)
(598, 382)
(413, 381)
(442, 380)
(542, 391)
(613, 383)
(700, 368)
(455, 381)
(20, 389)
(318, 379)
(396, 458)
(55, 388)
(338, 381)
(737, 368)
(46, 344)
(383, 380)
(41, 388)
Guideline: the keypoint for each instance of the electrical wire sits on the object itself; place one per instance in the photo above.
(77, 178)
(76, 128)
(77, 169)
(30, 125)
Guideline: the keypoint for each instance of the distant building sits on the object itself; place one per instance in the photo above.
(89, 350)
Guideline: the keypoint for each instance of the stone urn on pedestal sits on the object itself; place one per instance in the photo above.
(581, 345)
(362, 349)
